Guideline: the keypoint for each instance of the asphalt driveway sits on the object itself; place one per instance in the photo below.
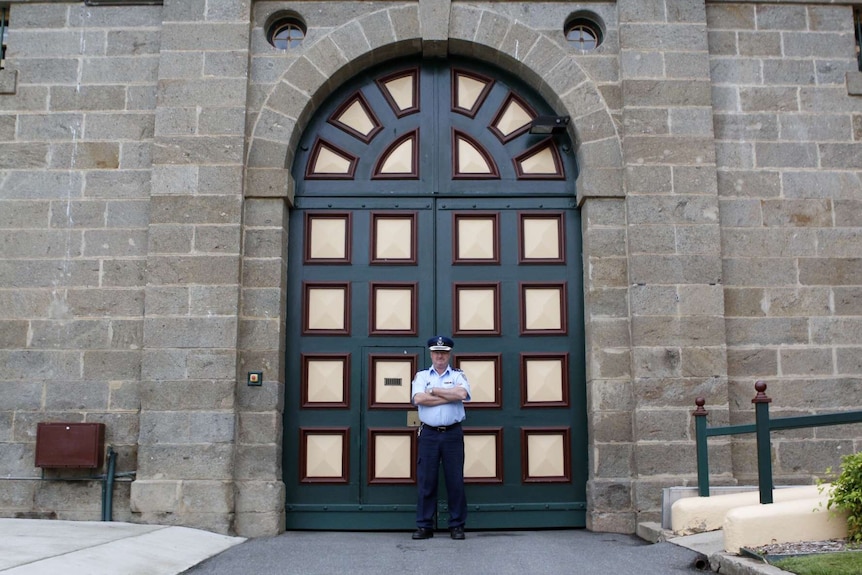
(483, 553)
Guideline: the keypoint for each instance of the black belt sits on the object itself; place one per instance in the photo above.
(442, 428)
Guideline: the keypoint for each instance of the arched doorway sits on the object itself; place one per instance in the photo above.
(424, 206)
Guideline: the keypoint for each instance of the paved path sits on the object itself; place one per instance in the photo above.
(46, 547)
(51, 547)
(483, 553)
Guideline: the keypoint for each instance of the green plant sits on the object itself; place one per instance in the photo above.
(846, 495)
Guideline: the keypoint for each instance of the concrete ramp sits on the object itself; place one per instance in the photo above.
(797, 514)
(700, 514)
(785, 522)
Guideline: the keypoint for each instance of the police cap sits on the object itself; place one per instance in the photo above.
(440, 343)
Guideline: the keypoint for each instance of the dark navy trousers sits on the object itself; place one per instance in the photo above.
(436, 447)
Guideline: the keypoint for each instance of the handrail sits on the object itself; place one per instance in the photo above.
(761, 427)
(4, 28)
(857, 25)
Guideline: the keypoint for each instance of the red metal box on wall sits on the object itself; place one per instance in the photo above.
(70, 445)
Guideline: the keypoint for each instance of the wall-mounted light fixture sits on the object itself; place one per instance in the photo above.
(549, 125)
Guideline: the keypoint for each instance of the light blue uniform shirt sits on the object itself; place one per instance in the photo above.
(448, 413)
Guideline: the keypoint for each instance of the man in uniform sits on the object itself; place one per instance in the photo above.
(440, 392)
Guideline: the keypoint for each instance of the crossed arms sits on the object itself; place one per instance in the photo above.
(440, 396)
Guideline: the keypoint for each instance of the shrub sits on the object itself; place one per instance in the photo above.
(846, 495)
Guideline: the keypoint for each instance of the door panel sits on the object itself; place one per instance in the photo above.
(351, 378)
(515, 335)
(507, 298)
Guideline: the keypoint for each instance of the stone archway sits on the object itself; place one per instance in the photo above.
(396, 31)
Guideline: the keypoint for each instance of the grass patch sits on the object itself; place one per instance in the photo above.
(844, 563)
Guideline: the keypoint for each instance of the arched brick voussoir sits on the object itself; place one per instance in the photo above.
(332, 60)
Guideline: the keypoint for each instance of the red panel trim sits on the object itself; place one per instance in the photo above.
(306, 288)
(456, 307)
(372, 469)
(498, 433)
(566, 432)
(348, 230)
(561, 237)
(377, 216)
(381, 83)
(497, 358)
(372, 308)
(345, 378)
(524, 129)
(555, 153)
(413, 174)
(304, 432)
(564, 366)
(357, 96)
(495, 218)
(456, 159)
(373, 360)
(315, 152)
(469, 112)
(561, 287)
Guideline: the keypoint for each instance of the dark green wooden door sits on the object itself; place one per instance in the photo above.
(517, 322)
(424, 207)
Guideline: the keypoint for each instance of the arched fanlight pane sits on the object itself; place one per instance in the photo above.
(513, 118)
(356, 118)
(401, 90)
(541, 162)
(469, 91)
(400, 160)
(328, 161)
(470, 159)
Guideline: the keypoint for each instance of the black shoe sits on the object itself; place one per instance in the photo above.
(423, 533)
(457, 533)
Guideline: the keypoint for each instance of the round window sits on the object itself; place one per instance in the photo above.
(583, 34)
(286, 33)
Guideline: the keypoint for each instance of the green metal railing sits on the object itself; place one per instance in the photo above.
(4, 27)
(761, 427)
(857, 26)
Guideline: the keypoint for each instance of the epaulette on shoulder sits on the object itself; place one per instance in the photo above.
(458, 370)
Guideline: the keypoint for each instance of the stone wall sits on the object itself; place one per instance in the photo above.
(77, 122)
(187, 457)
(789, 151)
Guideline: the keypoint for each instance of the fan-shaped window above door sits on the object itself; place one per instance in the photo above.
(436, 124)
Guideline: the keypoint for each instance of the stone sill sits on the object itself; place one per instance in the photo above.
(854, 83)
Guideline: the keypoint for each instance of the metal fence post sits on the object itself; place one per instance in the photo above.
(764, 452)
(702, 453)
